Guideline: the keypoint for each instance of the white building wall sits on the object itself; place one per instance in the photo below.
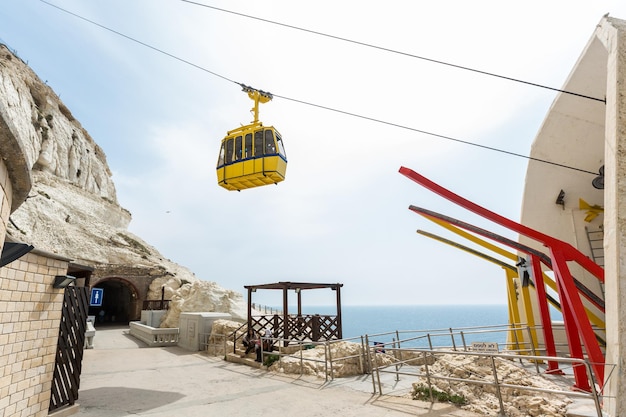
(587, 134)
(613, 34)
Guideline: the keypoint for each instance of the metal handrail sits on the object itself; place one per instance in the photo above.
(397, 347)
(266, 309)
(207, 346)
(280, 344)
(527, 346)
(332, 359)
(594, 395)
(235, 337)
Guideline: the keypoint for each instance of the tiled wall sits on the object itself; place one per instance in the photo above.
(30, 314)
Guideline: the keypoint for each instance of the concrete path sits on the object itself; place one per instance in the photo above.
(123, 377)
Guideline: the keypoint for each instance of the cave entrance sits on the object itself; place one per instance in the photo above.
(119, 302)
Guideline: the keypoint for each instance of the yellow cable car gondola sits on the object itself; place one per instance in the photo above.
(252, 155)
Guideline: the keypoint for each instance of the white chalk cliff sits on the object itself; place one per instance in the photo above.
(72, 208)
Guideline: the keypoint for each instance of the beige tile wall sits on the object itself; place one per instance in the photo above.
(30, 313)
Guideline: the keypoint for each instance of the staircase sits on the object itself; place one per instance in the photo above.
(249, 359)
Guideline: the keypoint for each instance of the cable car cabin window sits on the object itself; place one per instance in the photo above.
(270, 145)
(281, 147)
(230, 144)
(258, 143)
(248, 146)
(238, 148)
(220, 159)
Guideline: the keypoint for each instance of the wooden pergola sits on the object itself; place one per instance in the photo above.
(314, 327)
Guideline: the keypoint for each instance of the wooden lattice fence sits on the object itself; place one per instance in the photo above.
(305, 327)
(69, 357)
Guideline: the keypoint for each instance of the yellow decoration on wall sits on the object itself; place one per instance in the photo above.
(592, 211)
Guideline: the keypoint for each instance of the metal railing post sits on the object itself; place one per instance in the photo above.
(301, 359)
(452, 337)
(515, 338)
(532, 347)
(380, 387)
(369, 361)
(497, 384)
(326, 363)
(330, 359)
(594, 393)
(396, 358)
(399, 347)
(532, 341)
(430, 386)
(361, 357)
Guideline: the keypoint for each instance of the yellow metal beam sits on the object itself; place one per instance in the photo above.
(597, 321)
(516, 335)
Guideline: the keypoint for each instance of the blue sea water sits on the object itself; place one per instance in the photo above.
(435, 319)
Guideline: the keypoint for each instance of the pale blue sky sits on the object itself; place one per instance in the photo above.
(342, 213)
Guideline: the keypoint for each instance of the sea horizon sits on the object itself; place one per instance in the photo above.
(387, 322)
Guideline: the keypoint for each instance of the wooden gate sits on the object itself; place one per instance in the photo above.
(66, 380)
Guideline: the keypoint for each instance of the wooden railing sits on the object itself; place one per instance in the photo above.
(305, 327)
(69, 354)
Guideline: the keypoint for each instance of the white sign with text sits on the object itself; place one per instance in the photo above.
(485, 347)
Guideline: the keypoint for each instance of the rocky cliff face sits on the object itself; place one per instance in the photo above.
(72, 208)
(55, 143)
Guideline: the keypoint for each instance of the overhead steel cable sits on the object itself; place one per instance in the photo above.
(138, 41)
(373, 119)
(394, 51)
(437, 135)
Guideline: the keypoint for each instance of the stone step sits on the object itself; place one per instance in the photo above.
(247, 360)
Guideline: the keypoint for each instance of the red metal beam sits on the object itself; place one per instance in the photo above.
(561, 252)
(545, 259)
(544, 312)
(578, 319)
(536, 257)
(570, 252)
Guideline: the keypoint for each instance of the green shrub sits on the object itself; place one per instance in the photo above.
(422, 393)
(270, 359)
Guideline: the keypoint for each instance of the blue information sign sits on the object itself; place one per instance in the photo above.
(96, 297)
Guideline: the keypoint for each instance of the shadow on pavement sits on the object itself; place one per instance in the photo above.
(122, 401)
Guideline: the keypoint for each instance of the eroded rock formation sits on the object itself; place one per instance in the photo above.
(72, 208)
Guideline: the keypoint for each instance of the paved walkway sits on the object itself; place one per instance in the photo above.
(121, 376)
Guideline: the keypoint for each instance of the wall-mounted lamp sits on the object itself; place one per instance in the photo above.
(598, 182)
(62, 281)
(560, 199)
